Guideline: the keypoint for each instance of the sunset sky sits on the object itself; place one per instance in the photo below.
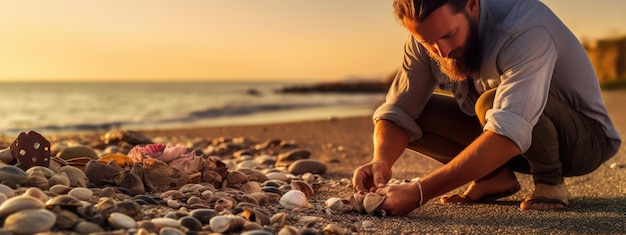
(90, 40)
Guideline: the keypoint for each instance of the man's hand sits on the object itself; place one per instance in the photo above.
(371, 176)
(400, 199)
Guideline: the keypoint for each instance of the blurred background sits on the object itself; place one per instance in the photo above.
(72, 65)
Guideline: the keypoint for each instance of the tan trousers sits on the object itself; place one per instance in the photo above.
(564, 142)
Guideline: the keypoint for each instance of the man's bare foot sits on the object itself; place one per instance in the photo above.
(501, 185)
(547, 197)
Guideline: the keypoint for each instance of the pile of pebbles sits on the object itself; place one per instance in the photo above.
(90, 185)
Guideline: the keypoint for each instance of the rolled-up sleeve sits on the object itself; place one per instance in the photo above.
(527, 63)
(410, 91)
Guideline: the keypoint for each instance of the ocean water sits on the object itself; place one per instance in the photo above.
(70, 107)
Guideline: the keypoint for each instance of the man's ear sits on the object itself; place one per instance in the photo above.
(473, 9)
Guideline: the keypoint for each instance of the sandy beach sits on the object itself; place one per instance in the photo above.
(598, 200)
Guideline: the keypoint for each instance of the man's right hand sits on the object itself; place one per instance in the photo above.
(371, 176)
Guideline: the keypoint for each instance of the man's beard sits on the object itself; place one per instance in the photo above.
(458, 69)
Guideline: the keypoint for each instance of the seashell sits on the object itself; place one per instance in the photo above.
(160, 177)
(86, 227)
(77, 176)
(294, 199)
(236, 223)
(36, 193)
(195, 200)
(303, 186)
(289, 230)
(251, 187)
(256, 215)
(252, 228)
(170, 231)
(6, 156)
(260, 197)
(266, 160)
(236, 177)
(219, 224)
(6, 190)
(130, 181)
(148, 226)
(128, 207)
(65, 219)
(99, 173)
(215, 171)
(47, 172)
(285, 159)
(19, 203)
(121, 221)
(372, 201)
(120, 160)
(82, 194)
(172, 194)
(189, 163)
(60, 189)
(77, 152)
(56, 163)
(225, 203)
(356, 202)
(29, 221)
(337, 204)
(254, 175)
(165, 222)
(59, 178)
(278, 219)
(79, 162)
(106, 205)
(195, 177)
(335, 229)
(277, 176)
(307, 165)
(38, 179)
(9, 173)
(114, 137)
(63, 201)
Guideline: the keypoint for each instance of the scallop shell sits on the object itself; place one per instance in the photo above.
(236, 177)
(303, 186)
(225, 203)
(63, 201)
(294, 199)
(372, 201)
(338, 204)
(251, 187)
(278, 219)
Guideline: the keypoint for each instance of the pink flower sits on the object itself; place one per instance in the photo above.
(165, 153)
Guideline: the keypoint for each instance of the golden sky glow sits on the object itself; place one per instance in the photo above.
(223, 39)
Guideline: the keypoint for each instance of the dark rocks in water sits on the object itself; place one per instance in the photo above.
(339, 87)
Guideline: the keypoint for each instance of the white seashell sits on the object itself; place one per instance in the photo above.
(372, 201)
(337, 204)
(20, 203)
(122, 221)
(219, 224)
(37, 193)
(251, 187)
(30, 221)
(82, 194)
(294, 199)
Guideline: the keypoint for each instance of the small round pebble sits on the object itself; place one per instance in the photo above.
(122, 221)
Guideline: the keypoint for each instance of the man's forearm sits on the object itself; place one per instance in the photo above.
(389, 141)
(485, 154)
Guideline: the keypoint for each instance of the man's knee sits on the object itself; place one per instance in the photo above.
(484, 103)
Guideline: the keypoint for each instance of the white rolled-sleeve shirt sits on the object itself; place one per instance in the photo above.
(528, 53)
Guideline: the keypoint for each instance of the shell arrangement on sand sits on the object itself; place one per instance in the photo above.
(364, 203)
(130, 184)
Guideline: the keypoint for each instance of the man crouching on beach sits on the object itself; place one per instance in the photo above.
(525, 99)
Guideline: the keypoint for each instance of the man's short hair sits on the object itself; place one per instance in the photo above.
(418, 10)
